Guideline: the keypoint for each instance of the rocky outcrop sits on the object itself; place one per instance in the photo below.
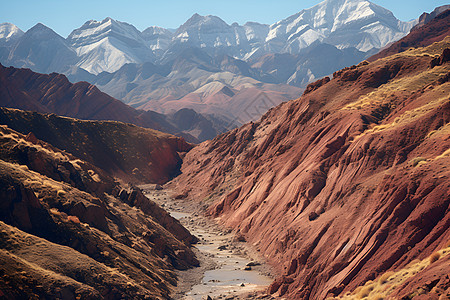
(135, 198)
(316, 84)
(442, 59)
(427, 17)
(70, 230)
(343, 184)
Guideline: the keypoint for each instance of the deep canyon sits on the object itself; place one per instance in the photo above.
(342, 193)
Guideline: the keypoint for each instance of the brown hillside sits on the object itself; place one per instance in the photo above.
(126, 151)
(345, 183)
(68, 230)
(53, 93)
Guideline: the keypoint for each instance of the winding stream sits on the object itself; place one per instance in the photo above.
(226, 270)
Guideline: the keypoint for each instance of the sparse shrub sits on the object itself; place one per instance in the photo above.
(55, 211)
(385, 277)
(365, 291)
(73, 219)
(60, 193)
(434, 257)
(417, 160)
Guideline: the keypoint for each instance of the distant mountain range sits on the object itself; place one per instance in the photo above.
(207, 64)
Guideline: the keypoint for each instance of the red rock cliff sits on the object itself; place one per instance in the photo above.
(343, 184)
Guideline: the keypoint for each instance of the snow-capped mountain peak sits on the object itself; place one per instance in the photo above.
(109, 44)
(41, 32)
(93, 31)
(204, 25)
(9, 32)
(213, 34)
(42, 49)
(157, 38)
(342, 23)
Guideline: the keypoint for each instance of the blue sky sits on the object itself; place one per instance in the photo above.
(64, 16)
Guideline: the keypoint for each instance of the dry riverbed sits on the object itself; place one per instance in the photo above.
(228, 268)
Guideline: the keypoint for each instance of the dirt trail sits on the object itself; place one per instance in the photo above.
(228, 270)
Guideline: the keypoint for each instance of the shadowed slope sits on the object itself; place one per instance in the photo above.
(69, 230)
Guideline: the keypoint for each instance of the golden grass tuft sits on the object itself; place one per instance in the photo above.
(446, 153)
(431, 133)
(73, 219)
(406, 118)
(387, 93)
(76, 164)
(434, 257)
(94, 176)
(60, 193)
(55, 211)
(416, 161)
(386, 283)
(384, 278)
(365, 291)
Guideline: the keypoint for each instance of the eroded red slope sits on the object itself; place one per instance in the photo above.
(343, 184)
(53, 93)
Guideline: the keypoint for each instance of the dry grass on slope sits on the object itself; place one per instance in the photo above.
(331, 211)
(385, 285)
(68, 230)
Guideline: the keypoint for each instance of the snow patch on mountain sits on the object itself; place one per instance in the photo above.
(342, 23)
(108, 45)
(9, 32)
(157, 38)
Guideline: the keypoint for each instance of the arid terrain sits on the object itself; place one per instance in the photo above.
(69, 230)
(346, 183)
(229, 268)
(343, 193)
(53, 93)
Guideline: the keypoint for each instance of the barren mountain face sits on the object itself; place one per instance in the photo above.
(53, 93)
(345, 183)
(68, 229)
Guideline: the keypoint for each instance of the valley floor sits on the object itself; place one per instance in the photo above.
(229, 269)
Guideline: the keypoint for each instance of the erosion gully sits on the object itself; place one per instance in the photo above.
(228, 269)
